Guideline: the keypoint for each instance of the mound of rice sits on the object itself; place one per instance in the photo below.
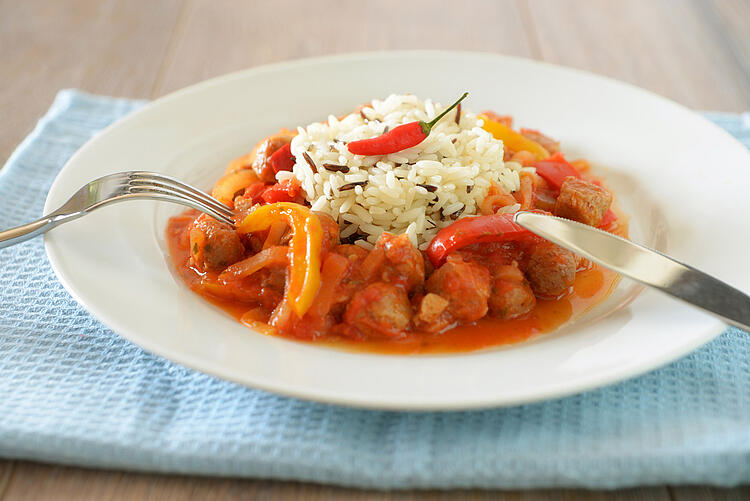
(417, 191)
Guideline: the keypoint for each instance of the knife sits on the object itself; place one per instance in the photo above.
(645, 265)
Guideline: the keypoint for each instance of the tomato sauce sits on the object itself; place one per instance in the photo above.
(592, 285)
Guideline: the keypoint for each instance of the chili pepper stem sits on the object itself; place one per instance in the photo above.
(427, 126)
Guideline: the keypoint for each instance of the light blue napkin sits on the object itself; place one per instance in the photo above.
(72, 391)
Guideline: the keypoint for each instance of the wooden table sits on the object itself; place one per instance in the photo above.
(695, 52)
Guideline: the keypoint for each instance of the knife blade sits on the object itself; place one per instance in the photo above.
(650, 267)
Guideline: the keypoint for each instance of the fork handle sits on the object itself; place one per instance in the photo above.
(24, 232)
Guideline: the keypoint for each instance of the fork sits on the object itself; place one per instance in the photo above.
(118, 187)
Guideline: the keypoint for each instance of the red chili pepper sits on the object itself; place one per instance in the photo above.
(472, 230)
(282, 159)
(555, 169)
(400, 138)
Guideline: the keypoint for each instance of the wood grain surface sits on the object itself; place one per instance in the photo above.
(696, 52)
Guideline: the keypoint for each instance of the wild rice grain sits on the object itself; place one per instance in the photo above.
(336, 168)
(310, 161)
(350, 186)
(429, 187)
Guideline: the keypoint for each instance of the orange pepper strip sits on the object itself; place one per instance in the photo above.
(513, 139)
(231, 183)
(305, 248)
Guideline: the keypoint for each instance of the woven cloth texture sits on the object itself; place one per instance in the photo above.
(72, 391)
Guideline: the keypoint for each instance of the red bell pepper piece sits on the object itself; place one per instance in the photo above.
(282, 159)
(255, 192)
(555, 169)
(472, 230)
(288, 190)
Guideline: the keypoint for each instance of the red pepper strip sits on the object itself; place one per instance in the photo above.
(282, 159)
(555, 169)
(255, 192)
(287, 190)
(400, 138)
(472, 230)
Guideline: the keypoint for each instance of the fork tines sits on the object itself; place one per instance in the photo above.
(150, 182)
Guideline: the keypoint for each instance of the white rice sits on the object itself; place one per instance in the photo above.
(455, 166)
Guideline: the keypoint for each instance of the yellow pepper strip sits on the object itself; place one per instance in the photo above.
(305, 248)
(513, 139)
(314, 232)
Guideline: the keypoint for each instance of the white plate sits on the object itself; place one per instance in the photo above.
(683, 181)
